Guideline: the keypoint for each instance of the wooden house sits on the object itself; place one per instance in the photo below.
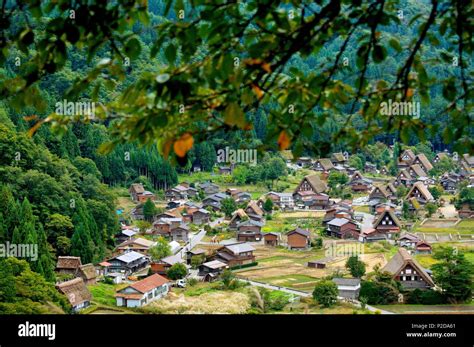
(408, 240)
(406, 159)
(68, 265)
(281, 200)
(88, 273)
(201, 216)
(197, 252)
(137, 244)
(236, 254)
(303, 162)
(423, 161)
(209, 188)
(440, 156)
(323, 165)
(311, 183)
(423, 247)
(143, 292)
(343, 228)
(179, 233)
(254, 211)
(237, 217)
(271, 239)
(135, 190)
(408, 272)
(384, 171)
(211, 269)
(299, 239)
(416, 171)
(358, 183)
(383, 193)
(249, 231)
(403, 178)
(338, 158)
(388, 224)
(76, 292)
(421, 193)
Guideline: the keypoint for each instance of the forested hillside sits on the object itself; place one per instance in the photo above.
(55, 184)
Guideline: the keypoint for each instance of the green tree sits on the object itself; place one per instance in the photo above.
(268, 205)
(337, 179)
(228, 279)
(453, 273)
(325, 293)
(161, 250)
(355, 266)
(431, 208)
(177, 271)
(436, 192)
(228, 206)
(149, 210)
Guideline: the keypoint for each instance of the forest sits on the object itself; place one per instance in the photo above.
(56, 177)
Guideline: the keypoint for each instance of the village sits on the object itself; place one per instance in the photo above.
(208, 245)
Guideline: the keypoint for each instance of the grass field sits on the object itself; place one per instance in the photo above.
(464, 227)
(104, 293)
(429, 309)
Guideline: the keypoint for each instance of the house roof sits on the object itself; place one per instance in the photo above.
(272, 233)
(422, 189)
(469, 159)
(326, 163)
(418, 170)
(408, 152)
(137, 188)
(400, 260)
(138, 241)
(237, 248)
(300, 231)
(339, 222)
(315, 182)
(149, 283)
(409, 236)
(405, 173)
(75, 291)
(215, 264)
(197, 251)
(129, 257)
(88, 270)
(68, 262)
(250, 222)
(173, 259)
(353, 282)
(442, 155)
(392, 216)
(338, 156)
(255, 208)
(128, 232)
(424, 161)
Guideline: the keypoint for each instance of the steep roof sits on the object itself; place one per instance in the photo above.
(392, 216)
(409, 236)
(338, 157)
(422, 189)
(137, 188)
(255, 208)
(424, 161)
(326, 163)
(401, 259)
(469, 159)
(149, 283)
(409, 153)
(66, 262)
(442, 155)
(88, 271)
(75, 291)
(418, 170)
(405, 173)
(315, 182)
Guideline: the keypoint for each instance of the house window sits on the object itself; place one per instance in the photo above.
(408, 271)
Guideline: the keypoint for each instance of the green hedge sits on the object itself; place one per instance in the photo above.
(255, 263)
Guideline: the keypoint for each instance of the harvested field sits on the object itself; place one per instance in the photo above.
(439, 223)
(302, 214)
(218, 302)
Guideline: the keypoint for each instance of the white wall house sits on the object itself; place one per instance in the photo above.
(143, 292)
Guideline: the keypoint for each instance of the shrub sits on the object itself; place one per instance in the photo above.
(325, 293)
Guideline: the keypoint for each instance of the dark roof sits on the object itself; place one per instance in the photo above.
(68, 263)
(346, 281)
(300, 231)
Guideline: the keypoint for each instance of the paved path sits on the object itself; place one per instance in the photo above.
(367, 221)
(308, 295)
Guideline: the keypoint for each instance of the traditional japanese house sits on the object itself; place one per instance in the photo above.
(388, 224)
(358, 183)
(421, 193)
(76, 292)
(323, 164)
(408, 272)
(423, 161)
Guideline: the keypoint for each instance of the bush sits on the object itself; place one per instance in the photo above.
(378, 293)
(325, 293)
(255, 263)
(192, 282)
(177, 271)
(425, 297)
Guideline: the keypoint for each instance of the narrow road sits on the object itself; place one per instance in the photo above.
(308, 295)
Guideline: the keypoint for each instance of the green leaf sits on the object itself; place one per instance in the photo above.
(233, 115)
(395, 45)
(133, 48)
(379, 53)
(170, 53)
